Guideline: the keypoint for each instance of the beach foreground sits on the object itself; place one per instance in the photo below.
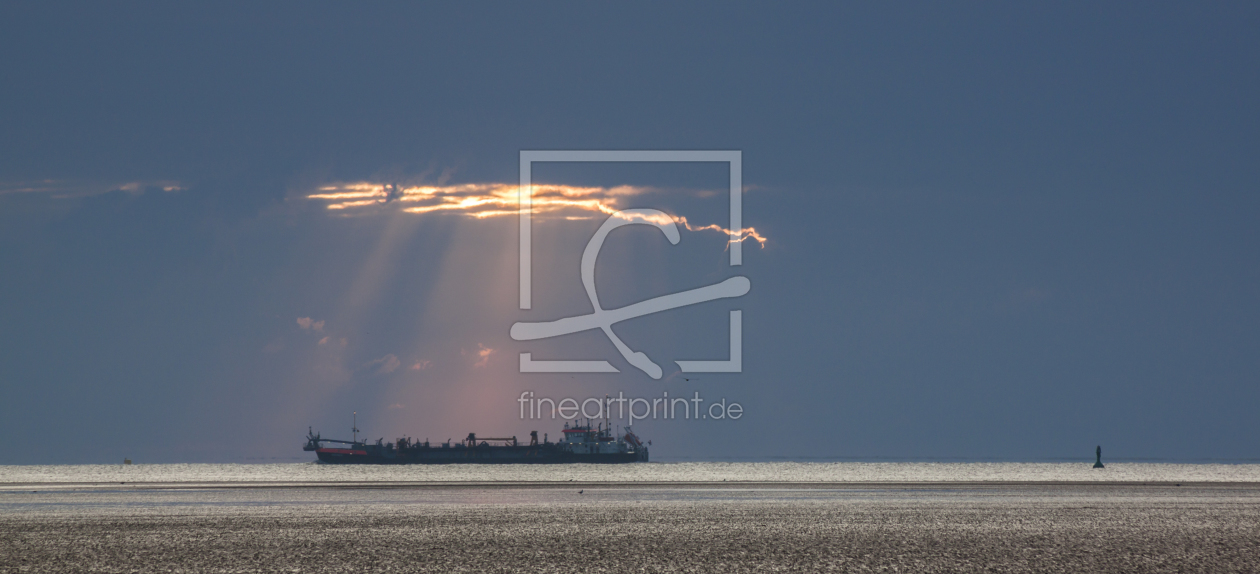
(614, 528)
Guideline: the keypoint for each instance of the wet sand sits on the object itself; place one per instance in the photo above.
(618, 528)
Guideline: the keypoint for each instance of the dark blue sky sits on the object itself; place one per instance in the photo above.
(994, 230)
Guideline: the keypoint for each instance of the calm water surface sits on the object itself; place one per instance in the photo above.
(12, 476)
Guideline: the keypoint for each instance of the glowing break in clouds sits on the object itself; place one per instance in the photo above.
(484, 200)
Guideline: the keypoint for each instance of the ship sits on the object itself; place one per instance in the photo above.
(581, 443)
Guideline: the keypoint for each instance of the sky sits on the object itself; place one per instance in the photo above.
(972, 231)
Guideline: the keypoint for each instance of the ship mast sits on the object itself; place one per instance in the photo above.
(354, 426)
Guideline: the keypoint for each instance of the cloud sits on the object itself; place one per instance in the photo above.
(482, 354)
(745, 233)
(61, 189)
(308, 323)
(138, 187)
(486, 200)
(384, 365)
(396, 406)
(479, 200)
(323, 341)
(421, 365)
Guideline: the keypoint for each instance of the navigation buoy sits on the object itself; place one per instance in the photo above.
(1098, 457)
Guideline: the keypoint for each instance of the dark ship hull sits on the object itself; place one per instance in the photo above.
(581, 445)
(476, 455)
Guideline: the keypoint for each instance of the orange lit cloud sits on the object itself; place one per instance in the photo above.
(483, 354)
(745, 233)
(485, 200)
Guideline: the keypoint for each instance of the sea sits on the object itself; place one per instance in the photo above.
(19, 476)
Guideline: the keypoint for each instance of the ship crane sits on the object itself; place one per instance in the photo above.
(473, 441)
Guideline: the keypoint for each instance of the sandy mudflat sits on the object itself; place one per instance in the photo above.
(879, 529)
